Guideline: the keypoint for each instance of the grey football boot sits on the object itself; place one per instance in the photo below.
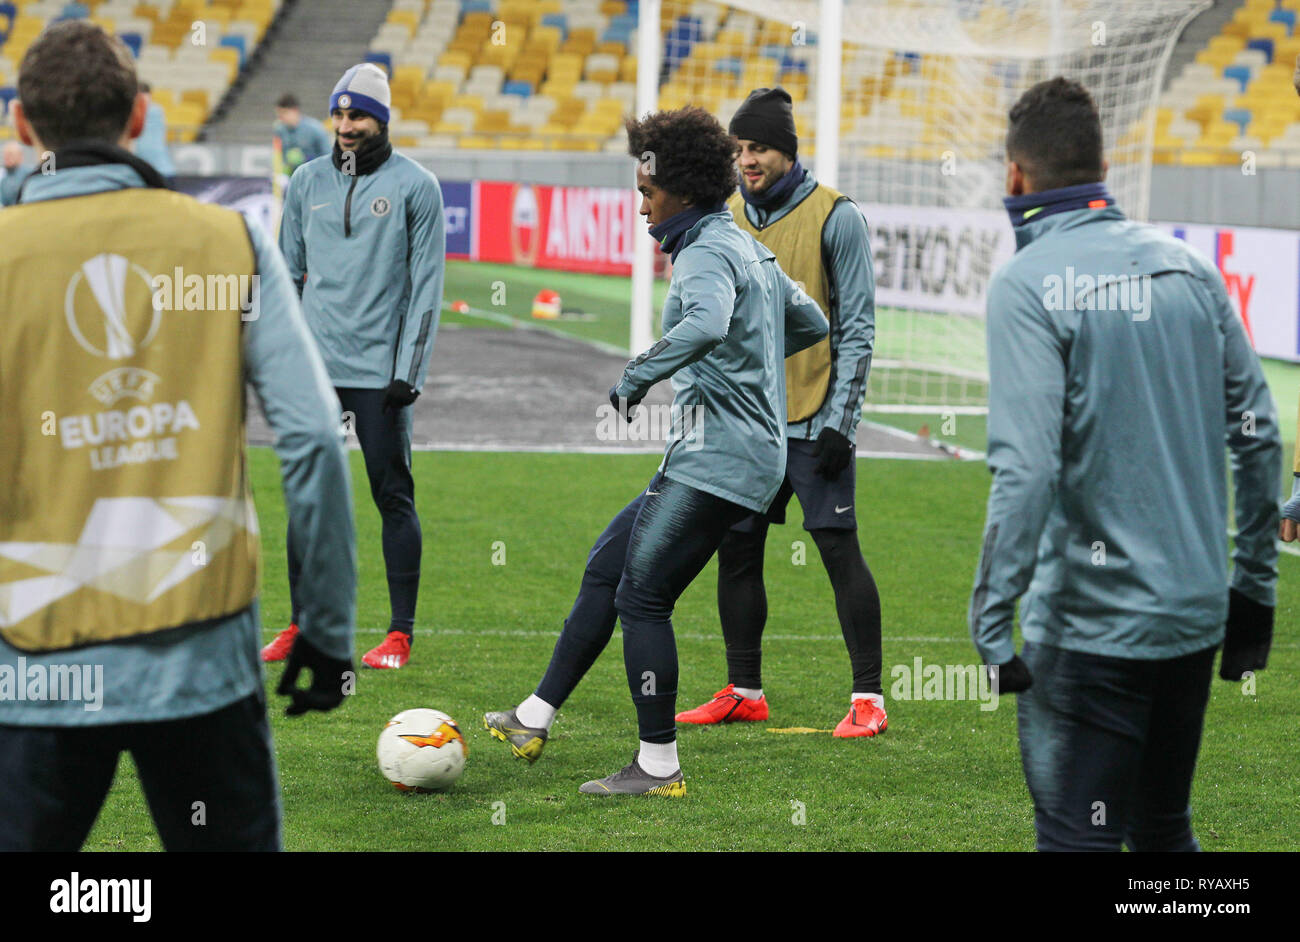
(526, 742)
(634, 780)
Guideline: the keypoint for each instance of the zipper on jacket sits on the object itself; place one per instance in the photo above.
(669, 454)
(347, 208)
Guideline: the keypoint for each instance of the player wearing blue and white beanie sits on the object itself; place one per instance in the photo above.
(364, 237)
(365, 88)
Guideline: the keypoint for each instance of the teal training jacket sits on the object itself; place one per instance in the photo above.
(373, 248)
(1109, 408)
(731, 318)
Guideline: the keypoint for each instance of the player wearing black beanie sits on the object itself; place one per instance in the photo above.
(820, 239)
(767, 115)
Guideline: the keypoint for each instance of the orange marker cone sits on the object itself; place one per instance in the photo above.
(546, 305)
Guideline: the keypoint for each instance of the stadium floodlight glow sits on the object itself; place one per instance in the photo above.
(924, 88)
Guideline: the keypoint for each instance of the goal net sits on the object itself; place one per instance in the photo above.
(924, 89)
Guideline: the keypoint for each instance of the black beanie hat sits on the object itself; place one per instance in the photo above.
(766, 116)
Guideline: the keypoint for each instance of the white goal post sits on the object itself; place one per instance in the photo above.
(901, 105)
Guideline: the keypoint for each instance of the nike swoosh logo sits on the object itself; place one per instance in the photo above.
(319, 206)
(840, 510)
(651, 493)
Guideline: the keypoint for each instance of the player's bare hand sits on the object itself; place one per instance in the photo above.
(1288, 531)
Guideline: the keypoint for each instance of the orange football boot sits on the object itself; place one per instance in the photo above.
(278, 649)
(393, 653)
(864, 719)
(727, 706)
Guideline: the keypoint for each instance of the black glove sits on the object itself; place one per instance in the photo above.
(614, 400)
(1011, 677)
(328, 676)
(399, 395)
(1247, 638)
(834, 452)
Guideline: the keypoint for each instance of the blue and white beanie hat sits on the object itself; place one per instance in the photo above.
(365, 88)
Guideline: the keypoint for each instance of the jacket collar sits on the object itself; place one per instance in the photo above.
(679, 231)
(1033, 214)
(764, 216)
(88, 153)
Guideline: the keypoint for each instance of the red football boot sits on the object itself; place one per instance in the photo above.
(727, 706)
(278, 649)
(864, 719)
(393, 653)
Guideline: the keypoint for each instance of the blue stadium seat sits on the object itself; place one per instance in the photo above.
(74, 11)
(7, 94)
(685, 33)
(1240, 116)
(688, 29)
(1239, 72)
(475, 6)
(1286, 18)
(134, 42)
(10, 13)
(789, 64)
(731, 65)
(381, 58)
(522, 89)
(1263, 45)
(239, 44)
(558, 20)
(773, 51)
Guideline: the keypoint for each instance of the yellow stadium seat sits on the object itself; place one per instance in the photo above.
(463, 59)
(195, 96)
(492, 122)
(407, 78)
(1233, 43)
(408, 18)
(437, 91)
(228, 57)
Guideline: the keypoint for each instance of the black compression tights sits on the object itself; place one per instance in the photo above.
(742, 604)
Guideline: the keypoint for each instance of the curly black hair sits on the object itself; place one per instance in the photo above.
(689, 153)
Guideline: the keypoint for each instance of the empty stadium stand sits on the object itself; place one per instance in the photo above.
(190, 51)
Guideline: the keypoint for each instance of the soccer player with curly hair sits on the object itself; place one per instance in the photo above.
(730, 319)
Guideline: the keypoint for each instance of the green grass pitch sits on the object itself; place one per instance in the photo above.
(946, 776)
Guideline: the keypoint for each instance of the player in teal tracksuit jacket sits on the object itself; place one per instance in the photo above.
(365, 227)
(1118, 368)
(188, 702)
(730, 319)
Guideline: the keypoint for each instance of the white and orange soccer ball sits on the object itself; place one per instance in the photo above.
(421, 750)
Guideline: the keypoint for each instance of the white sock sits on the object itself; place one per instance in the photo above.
(536, 712)
(658, 758)
(876, 698)
(749, 693)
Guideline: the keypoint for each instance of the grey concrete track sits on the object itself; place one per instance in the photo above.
(536, 390)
